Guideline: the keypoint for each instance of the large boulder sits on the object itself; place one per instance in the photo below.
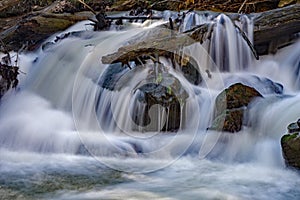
(290, 144)
(230, 106)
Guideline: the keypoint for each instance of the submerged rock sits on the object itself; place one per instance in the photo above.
(230, 107)
(290, 144)
(112, 75)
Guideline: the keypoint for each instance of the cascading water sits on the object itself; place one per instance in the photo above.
(73, 118)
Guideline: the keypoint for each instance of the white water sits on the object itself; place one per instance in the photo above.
(49, 122)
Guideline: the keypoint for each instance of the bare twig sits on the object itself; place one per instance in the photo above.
(91, 9)
(239, 11)
(251, 46)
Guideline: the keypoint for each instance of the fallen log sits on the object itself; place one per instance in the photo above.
(153, 47)
(34, 29)
(133, 18)
(272, 27)
(276, 28)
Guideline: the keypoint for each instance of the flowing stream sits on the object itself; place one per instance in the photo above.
(67, 132)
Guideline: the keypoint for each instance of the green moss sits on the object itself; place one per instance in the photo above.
(159, 78)
(288, 137)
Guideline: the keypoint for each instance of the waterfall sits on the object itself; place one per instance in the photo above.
(79, 129)
(69, 97)
(228, 49)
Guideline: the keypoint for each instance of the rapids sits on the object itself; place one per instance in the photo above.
(64, 136)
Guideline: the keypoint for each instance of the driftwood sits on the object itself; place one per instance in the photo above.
(277, 26)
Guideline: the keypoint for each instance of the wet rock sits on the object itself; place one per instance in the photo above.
(290, 144)
(294, 128)
(158, 88)
(190, 72)
(262, 84)
(230, 107)
(236, 96)
(165, 90)
(229, 121)
(112, 75)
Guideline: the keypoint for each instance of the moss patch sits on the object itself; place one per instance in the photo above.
(288, 137)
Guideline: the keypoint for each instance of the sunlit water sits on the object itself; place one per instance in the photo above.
(62, 136)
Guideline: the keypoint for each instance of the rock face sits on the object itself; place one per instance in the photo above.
(290, 144)
(230, 107)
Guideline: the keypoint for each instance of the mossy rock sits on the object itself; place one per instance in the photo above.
(165, 90)
(230, 107)
(236, 96)
(288, 137)
(290, 144)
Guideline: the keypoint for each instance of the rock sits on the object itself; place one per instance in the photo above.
(263, 85)
(112, 75)
(166, 91)
(190, 72)
(236, 96)
(290, 144)
(294, 128)
(230, 106)
(229, 121)
(158, 88)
